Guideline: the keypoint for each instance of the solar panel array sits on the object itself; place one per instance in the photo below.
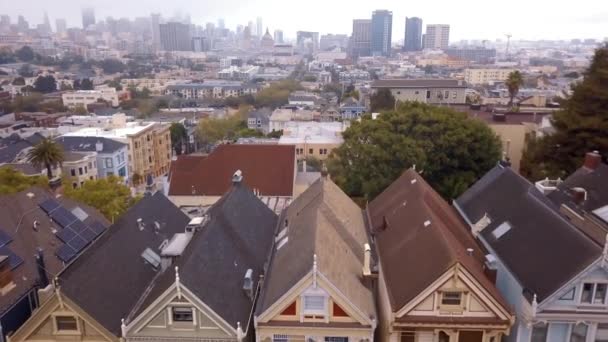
(13, 259)
(75, 234)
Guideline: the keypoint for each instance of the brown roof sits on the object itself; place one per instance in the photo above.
(419, 237)
(419, 83)
(267, 168)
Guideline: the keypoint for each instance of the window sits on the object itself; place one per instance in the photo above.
(280, 338)
(86, 170)
(122, 172)
(91, 178)
(182, 314)
(539, 333)
(446, 95)
(310, 151)
(90, 165)
(74, 185)
(66, 323)
(568, 295)
(579, 333)
(593, 293)
(336, 339)
(314, 304)
(73, 172)
(150, 159)
(408, 336)
(602, 333)
(451, 298)
(109, 163)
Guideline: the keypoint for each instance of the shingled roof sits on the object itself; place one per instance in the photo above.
(537, 237)
(419, 237)
(269, 169)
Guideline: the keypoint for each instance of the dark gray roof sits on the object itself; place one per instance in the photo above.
(323, 221)
(237, 237)
(418, 83)
(88, 144)
(109, 277)
(539, 237)
(8, 153)
(263, 113)
(595, 182)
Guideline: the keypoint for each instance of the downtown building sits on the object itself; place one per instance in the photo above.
(381, 35)
(413, 34)
(175, 37)
(437, 37)
(360, 41)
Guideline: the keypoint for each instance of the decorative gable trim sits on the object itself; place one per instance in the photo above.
(285, 300)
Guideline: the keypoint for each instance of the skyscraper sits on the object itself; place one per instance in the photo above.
(413, 34)
(437, 37)
(22, 24)
(307, 42)
(175, 37)
(61, 26)
(88, 17)
(47, 23)
(221, 24)
(259, 29)
(382, 28)
(360, 41)
(155, 29)
(278, 37)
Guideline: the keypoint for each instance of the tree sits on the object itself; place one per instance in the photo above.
(45, 84)
(275, 134)
(84, 84)
(179, 134)
(25, 71)
(112, 66)
(514, 82)
(277, 94)
(310, 78)
(18, 81)
(25, 54)
(451, 150)
(115, 84)
(80, 110)
(383, 99)
(47, 153)
(581, 126)
(13, 181)
(108, 195)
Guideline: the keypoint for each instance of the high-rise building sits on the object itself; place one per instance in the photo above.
(331, 41)
(278, 36)
(221, 24)
(61, 26)
(88, 17)
(175, 37)
(155, 29)
(413, 34)
(437, 37)
(361, 39)
(47, 23)
(307, 42)
(382, 28)
(22, 24)
(259, 31)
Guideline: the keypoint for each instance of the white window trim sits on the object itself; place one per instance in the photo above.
(65, 332)
(594, 283)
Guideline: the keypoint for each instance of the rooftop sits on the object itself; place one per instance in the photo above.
(419, 83)
(132, 128)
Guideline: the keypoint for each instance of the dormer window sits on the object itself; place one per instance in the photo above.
(314, 304)
(594, 293)
(181, 314)
(66, 324)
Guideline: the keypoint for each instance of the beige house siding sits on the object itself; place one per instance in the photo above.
(437, 95)
(318, 151)
(150, 151)
(513, 140)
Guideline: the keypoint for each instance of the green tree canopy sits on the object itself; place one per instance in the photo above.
(45, 84)
(48, 154)
(112, 66)
(513, 83)
(581, 126)
(108, 195)
(13, 181)
(18, 81)
(277, 94)
(25, 71)
(451, 150)
(179, 135)
(25, 54)
(382, 100)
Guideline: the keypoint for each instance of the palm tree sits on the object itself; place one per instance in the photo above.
(46, 153)
(513, 82)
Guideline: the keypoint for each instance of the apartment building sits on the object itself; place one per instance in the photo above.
(432, 91)
(486, 76)
(211, 89)
(86, 97)
(79, 167)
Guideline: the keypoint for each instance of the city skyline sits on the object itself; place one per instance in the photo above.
(588, 20)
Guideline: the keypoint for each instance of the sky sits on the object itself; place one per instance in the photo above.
(469, 19)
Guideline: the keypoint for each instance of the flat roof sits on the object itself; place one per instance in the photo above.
(132, 128)
(419, 83)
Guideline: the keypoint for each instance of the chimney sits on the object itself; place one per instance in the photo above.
(470, 251)
(98, 146)
(367, 260)
(579, 195)
(248, 283)
(43, 280)
(592, 160)
(237, 177)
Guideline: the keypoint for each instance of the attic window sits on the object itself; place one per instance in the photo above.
(501, 230)
(451, 298)
(66, 323)
(181, 314)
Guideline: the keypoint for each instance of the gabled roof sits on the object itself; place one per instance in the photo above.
(419, 237)
(595, 183)
(88, 144)
(540, 248)
(18, 212)
(109, 277)
(267, 168)
(323, 221)
(237, 236)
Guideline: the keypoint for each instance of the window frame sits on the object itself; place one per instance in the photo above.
(183, 309)
(452, 292)
(594, 286)
(58, 331)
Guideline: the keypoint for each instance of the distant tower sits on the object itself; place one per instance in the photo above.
(437, 37)
(259, 28)
(360, 40)
(278, 36)
(413, 34)
(47, 23)
(88, 17)
(382, 28)
(155, 28)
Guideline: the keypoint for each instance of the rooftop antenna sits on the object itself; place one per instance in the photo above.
(508, 35)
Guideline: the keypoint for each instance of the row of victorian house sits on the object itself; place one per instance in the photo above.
(510, 260)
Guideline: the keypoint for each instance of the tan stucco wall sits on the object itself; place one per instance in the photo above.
(513, 139)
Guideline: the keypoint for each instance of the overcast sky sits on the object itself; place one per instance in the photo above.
(469, 19)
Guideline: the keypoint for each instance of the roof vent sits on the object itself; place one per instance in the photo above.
(470, 251)
(98, 146)
(501, 230)
(248, 283)
(140, 224)
(151, 257)
(177, 245)
(413, 181)
(237, 177)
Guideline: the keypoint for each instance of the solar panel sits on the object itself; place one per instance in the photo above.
(88, 235)
(78, 226)
(65, 253)
(66, 234)
(77, 243)
(97, 227)
(4, 238)
(63, 217)
(49, 205)
(13, 259)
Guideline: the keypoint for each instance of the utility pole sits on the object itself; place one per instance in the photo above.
(508, 43)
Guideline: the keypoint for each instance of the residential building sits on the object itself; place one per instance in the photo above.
(88, 17)
(381, 34)
(313, 139)
(79, 167)
(447, 296)
(35, 247)
(437, 37)
(149, 146)
(413, 34)
(200, 181)
(477, 55)
(352, 109)
(304, 98)
(474, 76)
(307, 42)
(361, 38)
(211, 89)
(244, 73)
(259, 120)
(175, 36)
(525, 238)
(83, 98)
(354, 75)
(315, 283)
(155, 19)
(259, 29)
(111, 155)
(433, 91)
